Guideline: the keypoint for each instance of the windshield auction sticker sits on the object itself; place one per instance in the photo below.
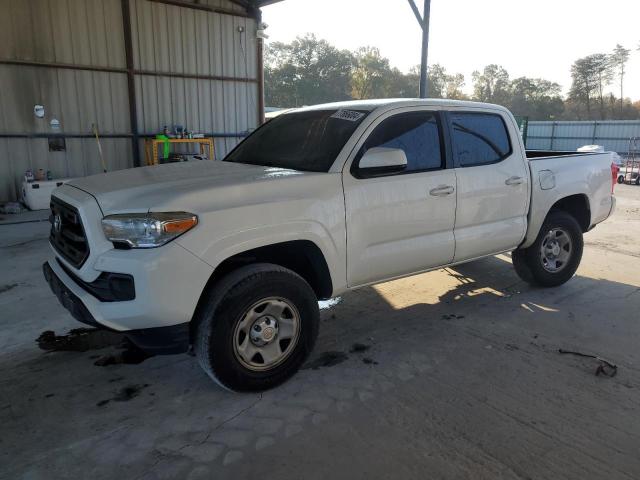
(350, 115)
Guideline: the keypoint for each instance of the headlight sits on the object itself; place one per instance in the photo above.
(147, 230)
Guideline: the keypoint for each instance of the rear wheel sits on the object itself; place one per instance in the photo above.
(256, 328)
(555, 255)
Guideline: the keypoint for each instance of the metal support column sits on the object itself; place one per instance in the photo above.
(423, 21)
(260, 69)
(131, 84)
(255, 12)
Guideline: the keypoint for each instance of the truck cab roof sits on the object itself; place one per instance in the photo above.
(391, 103)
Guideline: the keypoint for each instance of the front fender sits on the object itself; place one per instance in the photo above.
(237, 242)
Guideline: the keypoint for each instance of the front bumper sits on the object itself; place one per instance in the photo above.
(168, 283)
(149, 294)
(67, 298)
(155, 341)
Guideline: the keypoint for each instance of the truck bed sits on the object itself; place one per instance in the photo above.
(555, 175)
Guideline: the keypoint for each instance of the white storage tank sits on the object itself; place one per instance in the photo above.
(36, 195)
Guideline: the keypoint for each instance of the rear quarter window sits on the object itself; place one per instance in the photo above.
(479, 138)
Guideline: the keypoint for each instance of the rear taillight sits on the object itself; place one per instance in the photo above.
(614, 175)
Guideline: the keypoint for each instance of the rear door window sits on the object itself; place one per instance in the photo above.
(479, 138)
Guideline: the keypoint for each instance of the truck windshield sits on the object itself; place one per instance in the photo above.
(308, 140)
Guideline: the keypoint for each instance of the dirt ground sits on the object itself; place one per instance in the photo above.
(451, 374)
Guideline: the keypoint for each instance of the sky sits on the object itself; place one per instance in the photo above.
(540, 38)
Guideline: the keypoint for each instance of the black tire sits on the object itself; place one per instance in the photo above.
(638, 180)
(620, 179)
(528, 262)
(224, 308)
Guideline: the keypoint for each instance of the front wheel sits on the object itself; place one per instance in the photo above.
(555, 255)
(256, 327)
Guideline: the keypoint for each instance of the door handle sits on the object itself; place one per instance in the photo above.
(441, 191)
(513, 181)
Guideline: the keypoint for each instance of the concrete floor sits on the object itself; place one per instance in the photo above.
(460, 378)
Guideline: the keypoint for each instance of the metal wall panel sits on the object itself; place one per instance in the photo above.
(175, 40)
(89, 34)
(211, 107)
(167, 38)
(80, 159)
(76, 98)
(82, 32)
(78, 32)
(613, 135)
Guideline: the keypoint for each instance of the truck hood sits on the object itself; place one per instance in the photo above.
(186, 186)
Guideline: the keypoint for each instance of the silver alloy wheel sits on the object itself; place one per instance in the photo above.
(556, 250)
(266, 333)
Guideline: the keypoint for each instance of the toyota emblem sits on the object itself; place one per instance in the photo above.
(57, 223)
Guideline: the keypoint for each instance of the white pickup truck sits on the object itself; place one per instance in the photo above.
(229, 258)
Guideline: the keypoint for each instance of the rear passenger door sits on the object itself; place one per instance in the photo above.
(492, 183)
(400, 222)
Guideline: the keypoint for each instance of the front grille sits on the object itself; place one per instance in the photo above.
(67, 233)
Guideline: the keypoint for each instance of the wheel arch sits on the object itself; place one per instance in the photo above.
(303, 257)
(577, 205)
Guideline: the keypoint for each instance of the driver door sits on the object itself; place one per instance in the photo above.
(400, 222)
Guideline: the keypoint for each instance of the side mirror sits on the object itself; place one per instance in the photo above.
(383, 159)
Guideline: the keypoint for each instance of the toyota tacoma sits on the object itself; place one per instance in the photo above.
(229, 258)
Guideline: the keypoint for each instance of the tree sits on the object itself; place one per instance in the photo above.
(403, 85)
(604, 72)
(440, 84)
(492, 85)
(371, 74)
(437, 80)
(536, 98)
(619, 60)
(621, 109)
(310, 71)
(584, 83)
(305, 72)
(454, 87)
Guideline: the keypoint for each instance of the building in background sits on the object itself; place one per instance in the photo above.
(129, 67)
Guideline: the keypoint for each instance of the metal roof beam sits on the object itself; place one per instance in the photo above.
(201, 6)
(416, 12)
(242, 3)
(254, 3)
